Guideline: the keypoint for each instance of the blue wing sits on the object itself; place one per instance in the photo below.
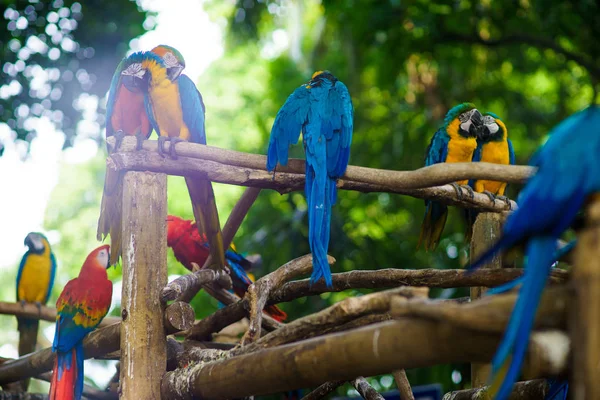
(193, 109)
(150, 113)
(68, 334)
(338, 125)
(52, 275)
(511, 153)
(112, 94)
(21, 266)
(437, 151)
(288, 124)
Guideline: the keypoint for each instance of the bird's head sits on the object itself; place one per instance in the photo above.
(172, 59)
(36, 242)
(139, 70)
(466, 118)
(98, 261)
(493, 128)
(175, 227)
(318, 77)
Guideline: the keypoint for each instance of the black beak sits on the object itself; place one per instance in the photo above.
(174, 72)
(108, 262)
(135, 84)
(28, 242)
(476, 128)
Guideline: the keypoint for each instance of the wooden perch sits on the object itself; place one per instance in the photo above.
(333, 316)
(403, 384)
(226, 166)
(184, 284)
(323, 390)
(258, 293)
(365, 390)
(45, 313)
(372, 350)
(528, 390)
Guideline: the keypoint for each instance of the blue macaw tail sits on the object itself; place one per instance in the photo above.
(28, 332)
(559, 389)
(505, 287)
(470, 217)
(433, 225)
(318, 196)
(239, 276)
(567, 248)
(540, 252)
(67, 377)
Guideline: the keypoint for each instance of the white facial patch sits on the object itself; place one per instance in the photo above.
(491, 124)
(134, 70)
(102, 257)
(465, 126)
(170, 60)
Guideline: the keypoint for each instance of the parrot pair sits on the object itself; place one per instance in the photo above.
(35, 280)
(191, 247)
(148, 91)
(549, 203)
(466, 136)
(322, 111)
(80, 308)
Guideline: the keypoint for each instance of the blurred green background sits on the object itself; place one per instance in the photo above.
(405, 63)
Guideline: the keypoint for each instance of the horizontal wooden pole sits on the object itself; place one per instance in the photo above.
(527, 390)
(43, 312)
(219, 165)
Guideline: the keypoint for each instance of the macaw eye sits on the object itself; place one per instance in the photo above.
(170, 60)
(466, 116)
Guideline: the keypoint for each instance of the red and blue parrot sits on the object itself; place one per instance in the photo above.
(455, 141)
(322, 110)
(34, 285)
(493, 146)
(176, 112)
(80, 307)
(191, 247)
(125, 115)
(567, 175)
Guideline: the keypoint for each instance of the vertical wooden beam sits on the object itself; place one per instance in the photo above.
(585, 309)
(486, 231)
(143, 342)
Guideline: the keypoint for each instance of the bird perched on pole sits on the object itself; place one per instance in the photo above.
(35, 280)
(493, 146)
(322, 110)
(548, 205)
(176, 112)
(125, 116)
(191, 247)
(455, 141)
(80, 308)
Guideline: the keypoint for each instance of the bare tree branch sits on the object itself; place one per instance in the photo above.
(365, 390)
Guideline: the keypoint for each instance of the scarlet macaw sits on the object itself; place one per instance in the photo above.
(322, 110)
(176, 112)
(191, 247)
(125, 115)
(80, 307)
(548, 205)
(34, 285)
(455, 141)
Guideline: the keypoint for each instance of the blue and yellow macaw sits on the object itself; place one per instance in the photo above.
(34, 285)
(173, 60)
(567, 175)
(493, 146)
(125, 116)
(322, 110)
(80, 308)
(455, 141)
(176, 112)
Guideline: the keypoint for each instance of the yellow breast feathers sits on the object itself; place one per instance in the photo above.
(35, 277)
(460, 148)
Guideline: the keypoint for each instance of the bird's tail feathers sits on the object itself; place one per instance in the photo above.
(559, 389)
(318, 196)
(433, 224)
(109, 221)
(67, 377)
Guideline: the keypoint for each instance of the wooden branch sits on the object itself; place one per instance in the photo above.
(323, 390)
(403, 384)
(144, 244)
(227, 166)
(258, 293)
(179, 316)
(22, 396)
(527, 390)
(45, 313)
(365, 390)
(333, 316)
(368, 351)
(585, 308)
(187, 283)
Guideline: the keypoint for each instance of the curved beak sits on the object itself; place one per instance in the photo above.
(34, 242)
(476, 128)
(135, 83)
(174, 72)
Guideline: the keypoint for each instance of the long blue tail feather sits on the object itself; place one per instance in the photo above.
(319, 213)
(559, 389)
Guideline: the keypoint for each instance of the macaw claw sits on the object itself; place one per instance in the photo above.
(505, 200)
(172, 152)
(119, 135)
(140, 137)
(469, 190)
(490, 196)
(161, 145)
(457, 189)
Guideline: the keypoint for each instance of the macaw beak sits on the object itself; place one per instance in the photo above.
(135, 83)
(108, 262)
(34, 243)
(476, 128)
(174, 72)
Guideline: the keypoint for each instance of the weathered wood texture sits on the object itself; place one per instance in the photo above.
(403, 384)
(585, 309)
(45, 313)
(231, 167)
(143, 342)
(527, 390)
(365, 390)
(487, 229)
(323, 390)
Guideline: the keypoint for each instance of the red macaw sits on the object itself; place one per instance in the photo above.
(176, 112)
(125, 115)
(80, 307)
(191, 247)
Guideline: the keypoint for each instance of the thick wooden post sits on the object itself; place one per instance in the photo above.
(486, 231)
(585, 310)
(143, 342)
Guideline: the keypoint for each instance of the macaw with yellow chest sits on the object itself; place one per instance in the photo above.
(493, 146)
(80, 308)
(455, 141)
(34, 285)
(125, 116)
(322, 110)
(176, 112)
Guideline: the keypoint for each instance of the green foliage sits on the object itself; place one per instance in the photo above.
(53, 51)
